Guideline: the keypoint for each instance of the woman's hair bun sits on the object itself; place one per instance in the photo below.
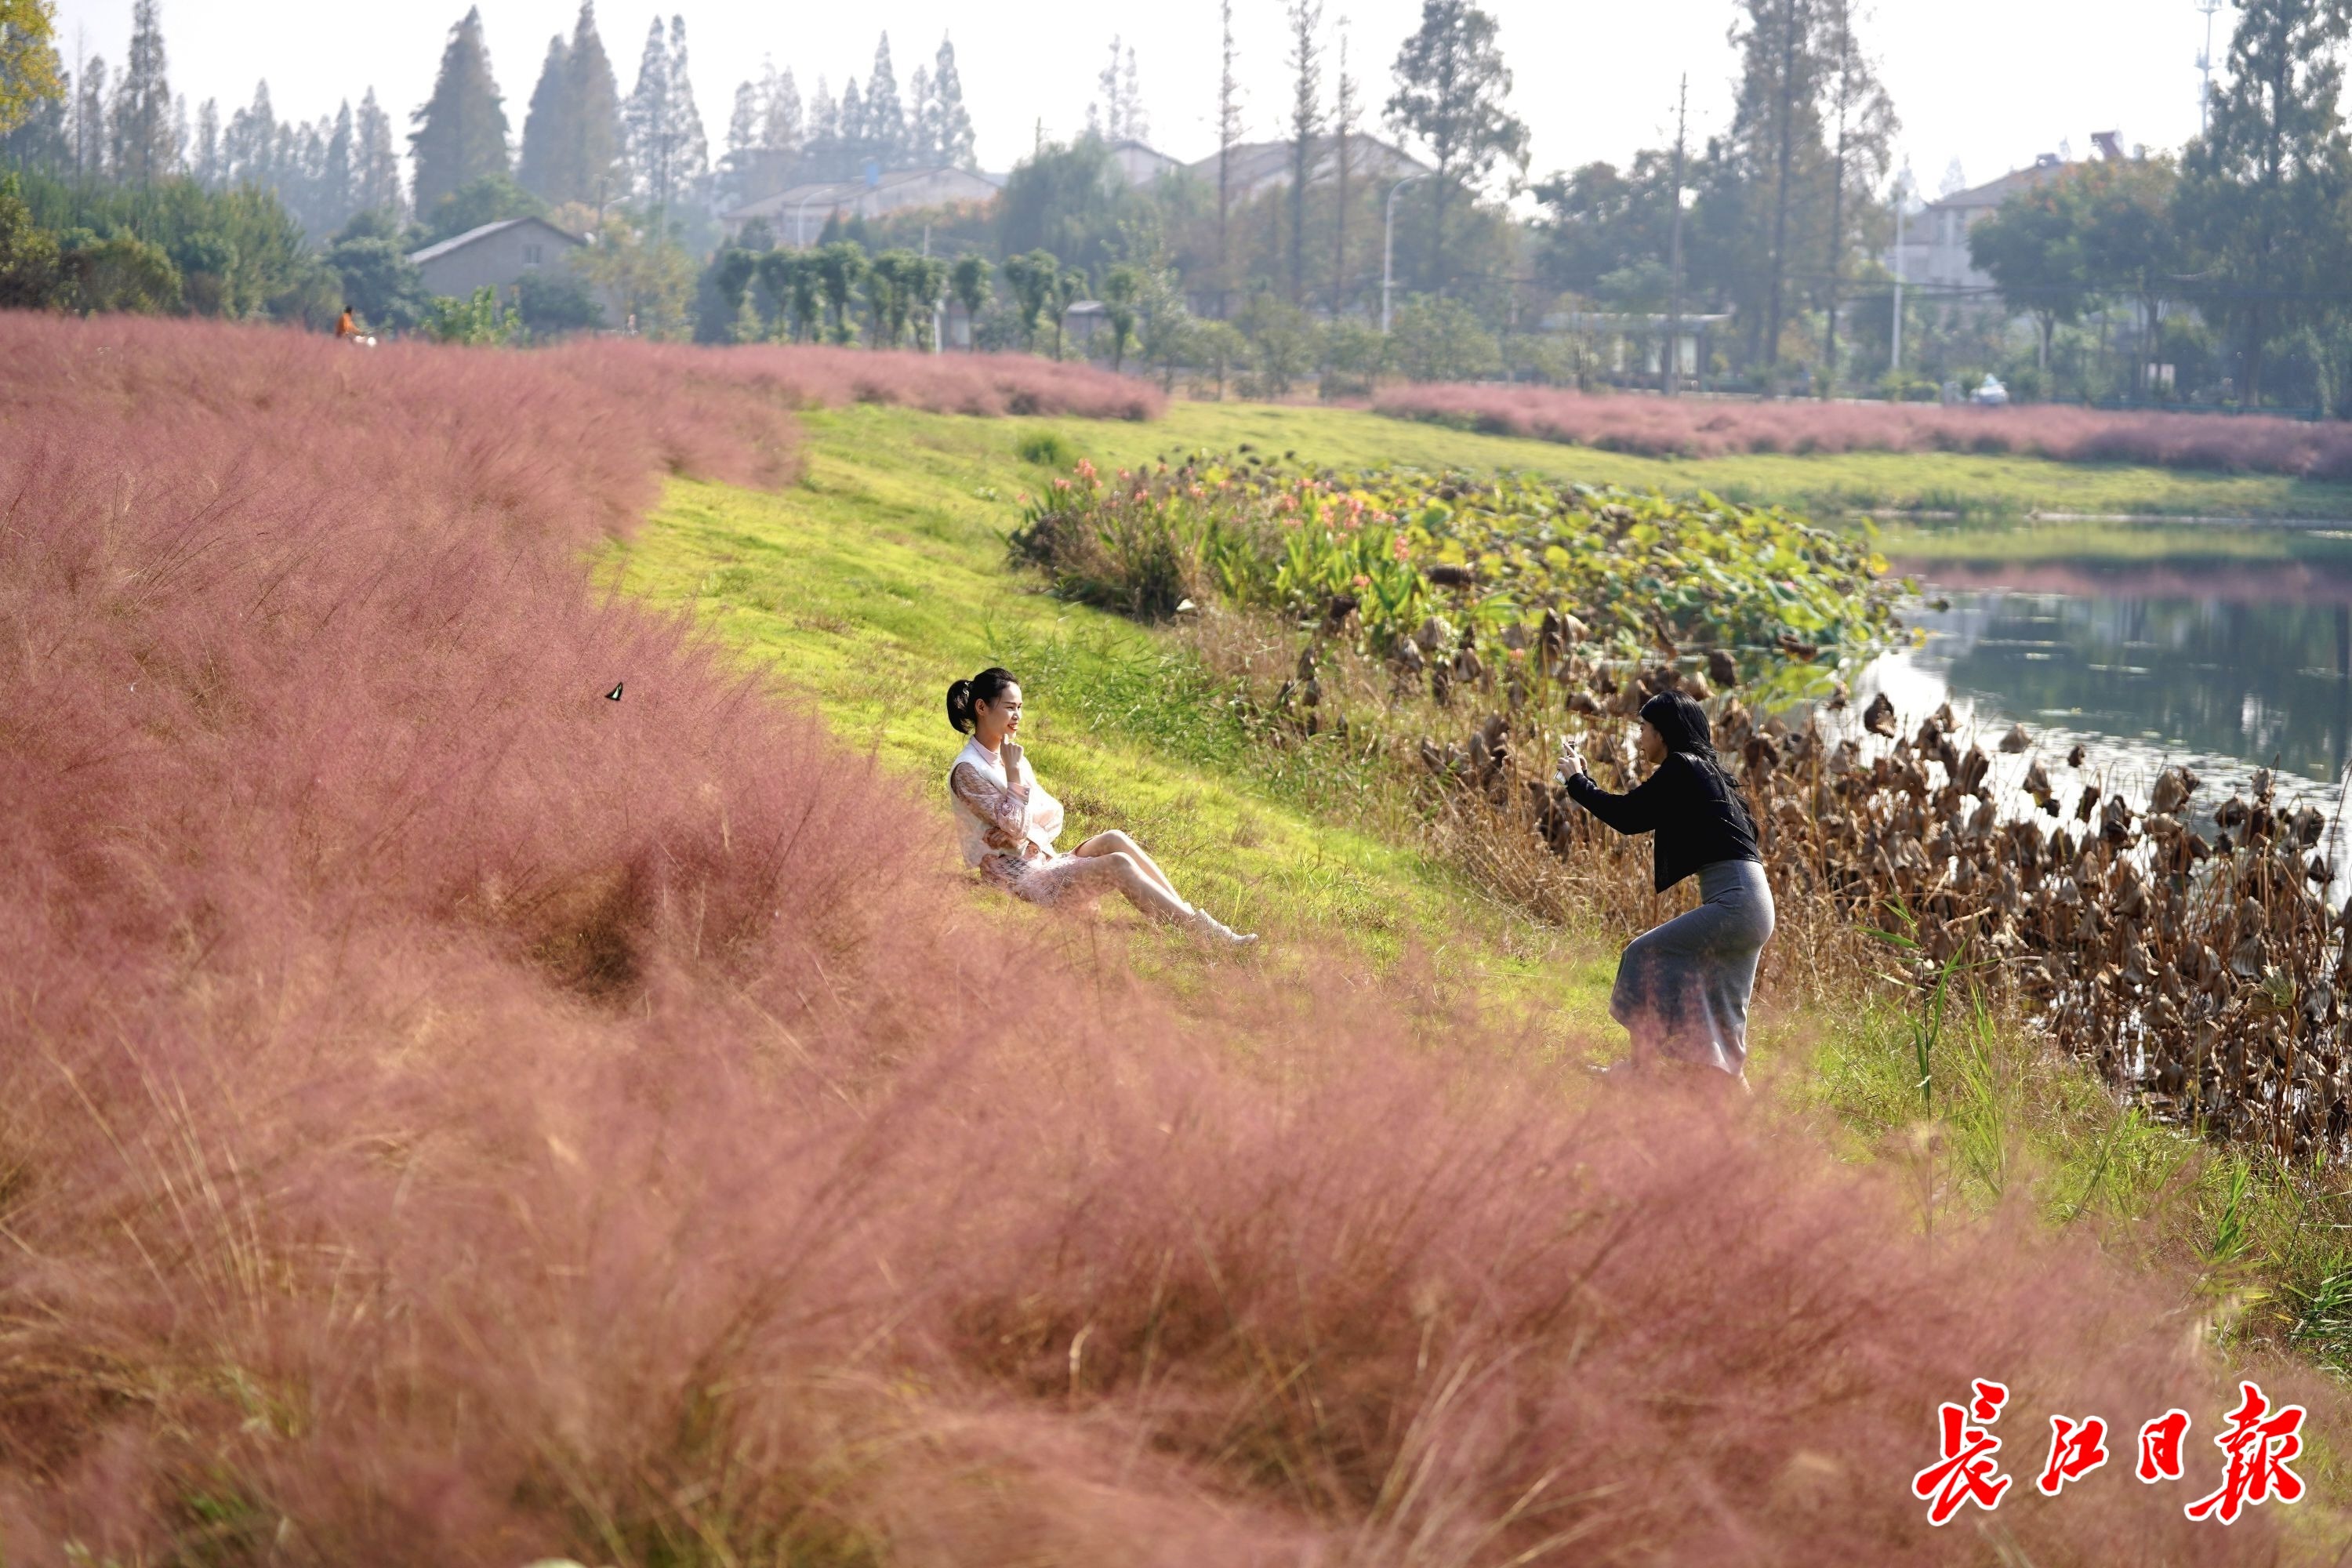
(985, 687)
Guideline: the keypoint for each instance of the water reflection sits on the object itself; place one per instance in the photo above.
(2227, 667)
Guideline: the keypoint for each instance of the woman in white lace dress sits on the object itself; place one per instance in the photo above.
(1008, 823)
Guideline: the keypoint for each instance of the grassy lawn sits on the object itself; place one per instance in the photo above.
(881, 576)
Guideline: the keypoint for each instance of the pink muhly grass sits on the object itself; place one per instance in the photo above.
(448, 1118)
(1696, 427)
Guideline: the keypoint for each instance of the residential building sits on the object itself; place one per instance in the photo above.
(1142, 165)
(1258, 166)
(797, 215)
(495, 256)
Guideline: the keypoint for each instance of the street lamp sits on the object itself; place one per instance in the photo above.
(1388, 248)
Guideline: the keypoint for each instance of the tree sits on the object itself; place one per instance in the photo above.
(1436, 339)
(840, 268)
(1451, 87)
(886, 119)
(89, 121)
(1343, 130)
(1034, 277)
(2130, 243)
(1306, 129)
(375, 167)
(652, 278)
(666, 138)
(28, 253)
(1229, 135)
(790, 276)
(2033, 248)
(1122, 290)
(28, 61)
(1281, 342)
(461, 131)
(545, 134)
(594, 167)
(491, 198)
(1865, 117)
(1068, 200)
(2263, 191)
(555, 301)
(969, 279)
(378, 281)
(1118, 116)
(955, 141)
(145, 147)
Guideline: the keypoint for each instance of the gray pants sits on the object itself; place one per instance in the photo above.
(1683, 988)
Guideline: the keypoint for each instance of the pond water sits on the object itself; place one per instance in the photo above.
(2227, 665)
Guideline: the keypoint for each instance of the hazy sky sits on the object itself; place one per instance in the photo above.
(1991, 83)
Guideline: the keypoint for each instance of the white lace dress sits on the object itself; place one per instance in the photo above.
(1008, 830)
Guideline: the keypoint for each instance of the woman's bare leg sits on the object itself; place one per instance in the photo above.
(1117, 843)
(1119, 869)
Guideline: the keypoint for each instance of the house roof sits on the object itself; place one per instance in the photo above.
(459, 241)
(1994, 191)
(1254, 162)
(823, 193)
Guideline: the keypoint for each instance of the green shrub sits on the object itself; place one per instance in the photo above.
(1046, 448)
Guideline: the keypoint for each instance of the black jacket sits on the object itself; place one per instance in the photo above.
(1697, 814)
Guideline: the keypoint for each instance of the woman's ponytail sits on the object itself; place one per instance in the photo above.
(985, 687)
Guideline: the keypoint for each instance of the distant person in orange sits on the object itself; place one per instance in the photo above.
(345, 325)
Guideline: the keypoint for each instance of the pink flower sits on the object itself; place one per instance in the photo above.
(1361, 581)
(1061, 484)
(1021, 498)
(1403, 551)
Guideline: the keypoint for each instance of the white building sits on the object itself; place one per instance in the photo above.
(796, 217)
(1142, 165)
(1934, 249)
(1257, 166)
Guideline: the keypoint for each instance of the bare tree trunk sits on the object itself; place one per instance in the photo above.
(1837, 201)
(1671, 367)
(1788, 136)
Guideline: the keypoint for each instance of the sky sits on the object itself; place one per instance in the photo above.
(1991, 84)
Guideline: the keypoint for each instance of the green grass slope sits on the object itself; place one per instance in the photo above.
(881, 577)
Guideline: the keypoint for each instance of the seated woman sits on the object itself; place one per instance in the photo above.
(1683, 988)
(1008, 823)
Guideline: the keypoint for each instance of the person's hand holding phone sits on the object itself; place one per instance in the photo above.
(1571, 758)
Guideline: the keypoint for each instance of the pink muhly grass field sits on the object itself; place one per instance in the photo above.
(1705, 428)
(446, 1117)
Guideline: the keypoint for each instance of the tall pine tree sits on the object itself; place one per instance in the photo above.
(955, 141)
(375, 165)
(666, 136)
(1306, 129)
(461, 131)
(886, 118)
(593, 168)
(545, 133)
(922, 120)
(145, 149)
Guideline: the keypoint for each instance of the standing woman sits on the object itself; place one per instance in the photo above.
(1683, 988)
(1008, 823)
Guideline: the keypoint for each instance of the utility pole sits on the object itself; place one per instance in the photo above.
(2205, 69)
(1672, 368)
(1837, 196)
(1901, 201)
